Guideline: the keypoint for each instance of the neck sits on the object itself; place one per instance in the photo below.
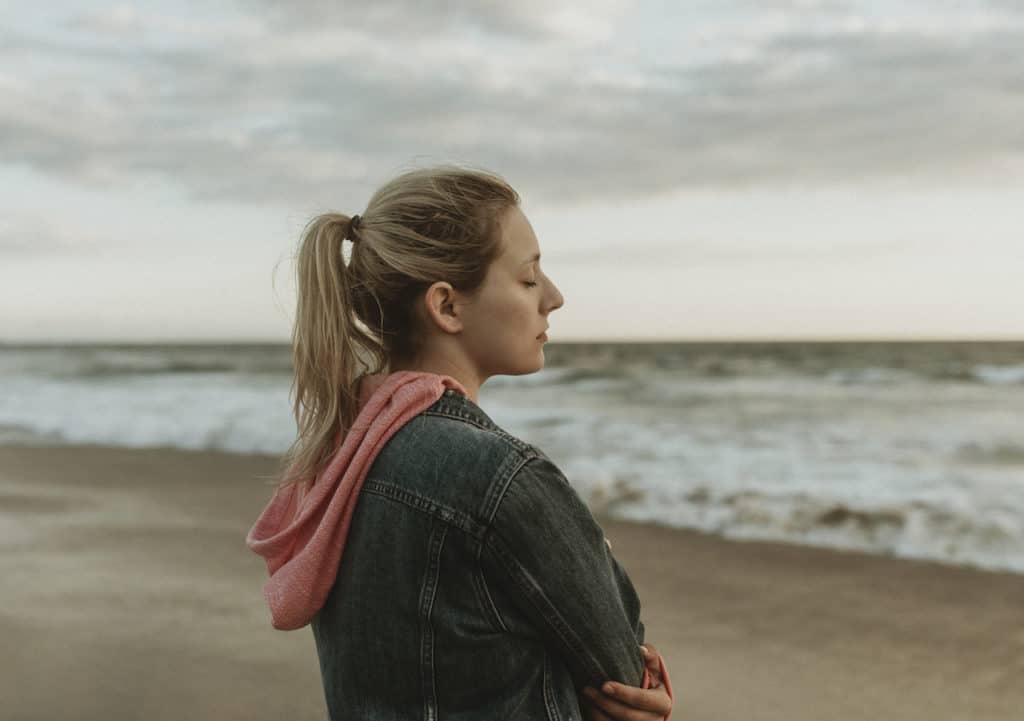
(441, 366)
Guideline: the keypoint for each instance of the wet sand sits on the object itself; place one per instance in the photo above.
(129, 593)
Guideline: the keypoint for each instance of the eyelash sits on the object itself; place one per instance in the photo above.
(530, 284)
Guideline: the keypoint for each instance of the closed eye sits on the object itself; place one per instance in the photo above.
(530, 284)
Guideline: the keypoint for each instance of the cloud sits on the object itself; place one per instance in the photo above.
(31, 236)
(533, 21)
(731, 252)
(301, 103)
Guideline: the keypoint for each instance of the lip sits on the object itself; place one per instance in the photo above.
(543, 336)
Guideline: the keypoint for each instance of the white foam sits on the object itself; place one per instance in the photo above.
(999, 375)
(208, 411)
(874, 460)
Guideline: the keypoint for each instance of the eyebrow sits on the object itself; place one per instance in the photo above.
(533, 259)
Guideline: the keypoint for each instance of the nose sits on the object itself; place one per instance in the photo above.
(557, 300)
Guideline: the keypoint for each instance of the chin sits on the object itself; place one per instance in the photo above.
(540, 362)
(527, 368)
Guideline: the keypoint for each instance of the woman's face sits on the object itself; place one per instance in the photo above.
(503, 324)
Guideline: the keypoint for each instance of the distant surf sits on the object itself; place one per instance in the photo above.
(907, 449)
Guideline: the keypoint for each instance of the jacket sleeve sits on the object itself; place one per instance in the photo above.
(546, 551)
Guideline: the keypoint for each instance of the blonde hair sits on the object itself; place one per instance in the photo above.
(426, 225)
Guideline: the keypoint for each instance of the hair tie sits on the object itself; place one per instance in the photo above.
(353, 226)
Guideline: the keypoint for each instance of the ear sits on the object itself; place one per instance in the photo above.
(441, 302)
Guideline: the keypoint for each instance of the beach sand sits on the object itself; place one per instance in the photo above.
(129, 594)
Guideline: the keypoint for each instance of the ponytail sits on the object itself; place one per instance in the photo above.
(325, 338)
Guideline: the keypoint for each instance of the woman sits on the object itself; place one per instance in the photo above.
(448, 569)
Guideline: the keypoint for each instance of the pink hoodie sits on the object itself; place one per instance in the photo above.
(301, 533)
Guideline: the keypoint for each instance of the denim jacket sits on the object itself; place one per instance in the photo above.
(475, 584)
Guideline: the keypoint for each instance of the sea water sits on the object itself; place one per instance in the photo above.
(908, 449)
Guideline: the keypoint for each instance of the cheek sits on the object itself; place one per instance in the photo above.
(509, 311)
(514, 317)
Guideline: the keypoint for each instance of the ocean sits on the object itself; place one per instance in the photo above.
(906, 449)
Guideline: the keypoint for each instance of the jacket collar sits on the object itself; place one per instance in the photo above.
(454, 404)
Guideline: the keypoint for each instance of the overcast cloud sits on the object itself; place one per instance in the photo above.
(604, 100)
(751, 170)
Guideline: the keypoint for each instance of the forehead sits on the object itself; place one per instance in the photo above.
(520, 243)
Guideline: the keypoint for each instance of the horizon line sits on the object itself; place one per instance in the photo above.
(15, 343)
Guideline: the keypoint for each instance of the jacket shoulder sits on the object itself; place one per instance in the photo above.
(454, 413)
(452, 455)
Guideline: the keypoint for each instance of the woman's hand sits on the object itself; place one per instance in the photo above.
(629, 703)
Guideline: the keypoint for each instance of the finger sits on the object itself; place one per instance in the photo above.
(651, 699)
(652, 664)
(592, 711)
(611, 708)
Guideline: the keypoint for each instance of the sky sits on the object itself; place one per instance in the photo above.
(693, 171)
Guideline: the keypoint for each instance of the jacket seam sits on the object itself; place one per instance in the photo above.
(533, 592)
(489, 427)
(503, 477)
(540, 601)
(487, 602)
(457, 519)
(427, 675)
(549, 700)
(463, 521)
(508, 469)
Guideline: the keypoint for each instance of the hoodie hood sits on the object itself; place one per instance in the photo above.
(301, 533)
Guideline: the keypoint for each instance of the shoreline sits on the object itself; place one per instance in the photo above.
(269, 462)
(130, 591)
